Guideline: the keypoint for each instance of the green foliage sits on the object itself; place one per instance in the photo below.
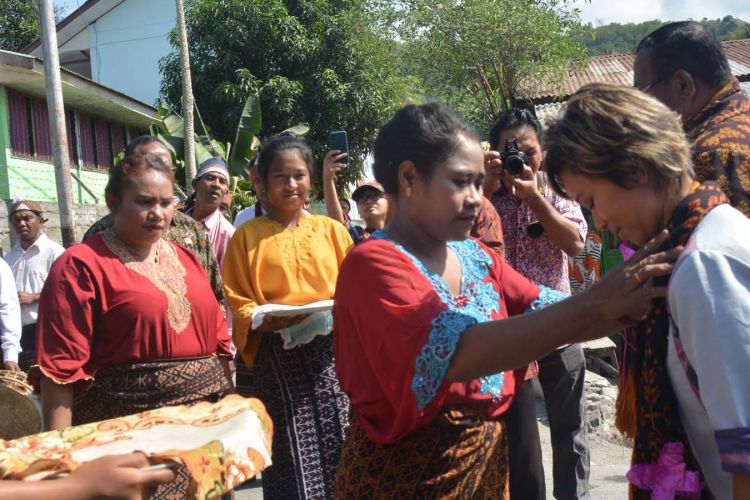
(617, 38)
(321, 62)
(242, 196)
(19, 24)
(482, 56)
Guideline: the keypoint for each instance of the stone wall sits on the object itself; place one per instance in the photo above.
(85, 216)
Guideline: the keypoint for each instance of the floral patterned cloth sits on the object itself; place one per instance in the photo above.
(539, 259)
(222, 444)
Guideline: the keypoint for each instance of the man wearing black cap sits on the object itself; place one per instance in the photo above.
(30, 260)
(372, 207)
(372, 203)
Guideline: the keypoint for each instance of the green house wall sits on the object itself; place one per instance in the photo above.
(35, 179)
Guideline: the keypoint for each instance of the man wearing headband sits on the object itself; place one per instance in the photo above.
(30, 260)
(210, 186)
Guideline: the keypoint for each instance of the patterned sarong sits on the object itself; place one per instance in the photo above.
(457, 455)
(123, 390)
(309, 411)
(127, 389)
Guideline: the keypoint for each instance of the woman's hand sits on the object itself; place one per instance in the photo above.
(627, 290)
(276, 323)
(332, 164)
(118, 476)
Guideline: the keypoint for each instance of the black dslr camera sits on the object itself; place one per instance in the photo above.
(513, 159)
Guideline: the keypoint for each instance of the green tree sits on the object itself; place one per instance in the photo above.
(482, 56)
(320, 62)
(19, 24)
(616, 38)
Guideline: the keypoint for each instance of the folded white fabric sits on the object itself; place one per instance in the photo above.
(319, 321)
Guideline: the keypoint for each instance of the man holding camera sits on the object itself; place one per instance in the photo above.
(541, 229)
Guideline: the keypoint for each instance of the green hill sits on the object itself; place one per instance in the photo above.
(615, 37)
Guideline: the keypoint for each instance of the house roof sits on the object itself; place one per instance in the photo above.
(618, 68)
(75, 22)
(25, 74)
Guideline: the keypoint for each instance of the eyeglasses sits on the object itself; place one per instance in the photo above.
(654, 83)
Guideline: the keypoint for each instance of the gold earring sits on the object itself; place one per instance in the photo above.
(408, 191)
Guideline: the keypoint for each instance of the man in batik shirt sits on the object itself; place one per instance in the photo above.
(683, 65)
(184, 230)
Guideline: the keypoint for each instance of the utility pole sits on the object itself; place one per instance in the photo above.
(56, 111)
(187, 97)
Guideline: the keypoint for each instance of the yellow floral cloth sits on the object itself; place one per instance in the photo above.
(222, 444)
(267, 264)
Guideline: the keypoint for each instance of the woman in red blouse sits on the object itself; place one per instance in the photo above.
(423, 344)
(124, 321)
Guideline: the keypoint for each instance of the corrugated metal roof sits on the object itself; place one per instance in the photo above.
(618, 68)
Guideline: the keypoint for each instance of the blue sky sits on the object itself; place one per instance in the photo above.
(634, 11)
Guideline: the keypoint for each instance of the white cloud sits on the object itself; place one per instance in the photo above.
(636, 11)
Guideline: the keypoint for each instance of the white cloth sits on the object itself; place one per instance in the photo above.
(30, 269)
(10, 315)
(319, 321)
(709, 300)
(246, 214)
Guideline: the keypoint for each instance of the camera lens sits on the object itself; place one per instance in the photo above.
(514, 164)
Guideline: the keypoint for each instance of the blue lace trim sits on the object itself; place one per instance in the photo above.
(546, 297)
(476, 302)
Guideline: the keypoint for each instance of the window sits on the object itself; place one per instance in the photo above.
(100, 140)
(20, 124)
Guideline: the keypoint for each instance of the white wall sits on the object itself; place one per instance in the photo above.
(127, 43)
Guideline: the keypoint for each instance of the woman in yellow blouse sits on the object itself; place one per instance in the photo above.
(290, 257)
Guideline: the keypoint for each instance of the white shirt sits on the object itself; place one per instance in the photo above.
(30, 268)
(10, 315)
(709, 299)
(246, 214)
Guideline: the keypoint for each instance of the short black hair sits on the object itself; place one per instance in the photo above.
(141, 140)
(279, 143)
(514, 118)
(691, 46)
(426, 134)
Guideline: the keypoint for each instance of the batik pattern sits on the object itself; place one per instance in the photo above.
(720, 135)
(300, 391)
(459, 454)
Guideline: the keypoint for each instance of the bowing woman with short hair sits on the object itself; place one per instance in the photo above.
(423, 344)
(684, 395)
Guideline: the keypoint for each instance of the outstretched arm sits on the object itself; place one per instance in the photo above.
(496, 346)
